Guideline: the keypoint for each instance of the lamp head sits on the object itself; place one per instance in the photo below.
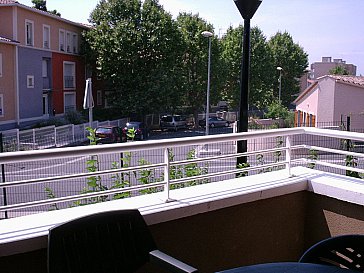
(206, 34)
(279, 68)
(247, 8)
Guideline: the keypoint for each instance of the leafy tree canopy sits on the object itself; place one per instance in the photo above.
(293, 60)
(339, 70)
(42, 5)
(138, 50)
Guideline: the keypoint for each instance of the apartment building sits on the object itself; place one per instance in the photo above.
(319, 69)
(42, 73)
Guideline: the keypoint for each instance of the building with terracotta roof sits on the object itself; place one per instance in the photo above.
(42, 73)
(330, 98)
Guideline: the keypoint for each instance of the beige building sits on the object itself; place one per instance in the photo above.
(319, 69)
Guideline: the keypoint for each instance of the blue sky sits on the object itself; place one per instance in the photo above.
(323, 28)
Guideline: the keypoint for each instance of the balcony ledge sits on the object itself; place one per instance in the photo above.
(28, 233)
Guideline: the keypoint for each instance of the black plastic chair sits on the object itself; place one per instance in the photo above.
(345, 251)
(107, 242)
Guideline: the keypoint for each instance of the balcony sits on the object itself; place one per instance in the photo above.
(215, 222)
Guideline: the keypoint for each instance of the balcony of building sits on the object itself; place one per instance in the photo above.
(295, 193)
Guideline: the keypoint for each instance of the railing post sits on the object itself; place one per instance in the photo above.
(18, 139)
(34, 139)
(166, 174)
(73, 133)
(288, 155)
(55, 136)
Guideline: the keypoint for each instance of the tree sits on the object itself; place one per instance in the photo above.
(294, 61)
(339, 70)
(42, 5)
(261, 72)
(138, 49)
(195, 60)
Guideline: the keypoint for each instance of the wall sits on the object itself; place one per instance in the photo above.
(326, 98)
(270, 230)
(7, 86)
(6, 30)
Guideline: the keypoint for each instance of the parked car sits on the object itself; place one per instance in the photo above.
(108, 134)
(141, 132)
(214, 122)
(173, 122)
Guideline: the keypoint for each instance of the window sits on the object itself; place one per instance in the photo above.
(75, 43)
(46, 36)
(1, 105)
(29, 32)
(44, 68)
(69, 101)
(45, 105)
(30, 81)
(68, 42)
(1, 65)
(61, 40)
(99, 97)
(69, 75)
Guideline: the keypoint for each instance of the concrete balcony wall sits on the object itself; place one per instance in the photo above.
(269, 230)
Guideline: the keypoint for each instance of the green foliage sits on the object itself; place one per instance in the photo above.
(131, 133)
(74, 117)
(277, 110)
(42, 5)
(339, 70)
(351, 161)
(142, 43)
(243, 166)
(92, 135)
(262, 67)
(294, 61)
(312, 155)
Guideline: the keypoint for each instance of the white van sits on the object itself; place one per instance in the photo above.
(173, 122)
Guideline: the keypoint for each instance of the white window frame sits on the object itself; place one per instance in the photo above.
(68, 41)
(44, 68)
(99, 97)
(62, 40)
(29, 22)
(74, 43)
(46, 40)
(1, 105)
(64, 100)
(45, 104)
(1, 64)
(73, 74)
(30, 81)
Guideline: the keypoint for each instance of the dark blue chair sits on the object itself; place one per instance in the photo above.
(108, 242)
(345, 251)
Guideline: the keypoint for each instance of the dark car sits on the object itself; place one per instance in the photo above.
(108, 134)
(214, 122)
(141, 132)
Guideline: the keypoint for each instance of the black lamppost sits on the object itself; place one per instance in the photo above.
(247, 8)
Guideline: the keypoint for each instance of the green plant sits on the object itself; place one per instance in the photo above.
(131, 133)
(51, 195)
(312, 155)
(351, 161)
(277, 110)
(243, 166)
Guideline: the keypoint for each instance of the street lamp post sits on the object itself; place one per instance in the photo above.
(208, 34)
(247, 8)
(280, 83)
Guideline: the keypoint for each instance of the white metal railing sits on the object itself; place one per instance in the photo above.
(289, 150)
(50, 136)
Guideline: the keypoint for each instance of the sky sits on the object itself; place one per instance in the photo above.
(323, 28)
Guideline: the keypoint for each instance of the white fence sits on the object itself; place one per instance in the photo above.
(51, 136)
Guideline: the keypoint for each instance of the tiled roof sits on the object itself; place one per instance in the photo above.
(7, 40)
(7, 2)
(356, 80)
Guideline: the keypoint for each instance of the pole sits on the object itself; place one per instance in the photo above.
(208, 90)
(244, 92)
(3, 174)
(280, 86)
